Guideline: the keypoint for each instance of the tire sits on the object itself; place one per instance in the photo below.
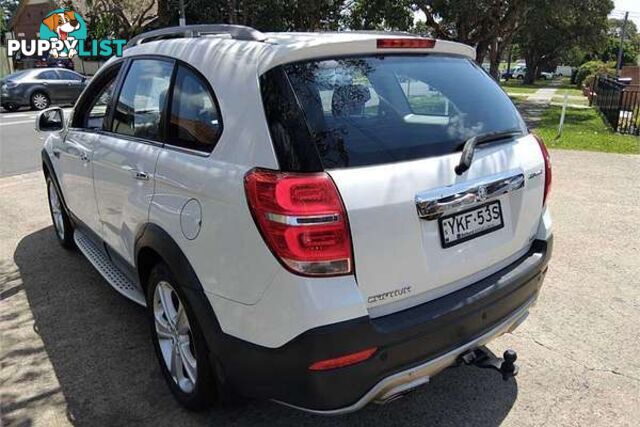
(181, 337)
(39, 100)
(11, 107)
(59, 216)
(520, 77)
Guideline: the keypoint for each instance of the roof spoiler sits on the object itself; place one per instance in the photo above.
(237, 32)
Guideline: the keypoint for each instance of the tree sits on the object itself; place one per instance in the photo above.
(378, 15)
(488, 25)
(264, 15)
(608, 51)
(553, 27)
(120, 18)
(7, 9)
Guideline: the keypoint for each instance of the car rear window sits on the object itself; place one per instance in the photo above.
(359, 111)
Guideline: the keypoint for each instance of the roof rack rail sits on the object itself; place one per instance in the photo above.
(238, 32)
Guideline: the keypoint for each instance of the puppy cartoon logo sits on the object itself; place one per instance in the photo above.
(63, 34)
(64, 26)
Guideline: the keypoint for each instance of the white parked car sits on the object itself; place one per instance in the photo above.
(319, 219)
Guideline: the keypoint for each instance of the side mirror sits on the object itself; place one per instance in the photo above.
(50, 120)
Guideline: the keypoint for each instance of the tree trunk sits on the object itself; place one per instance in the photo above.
(532, 71)
(495, 52)
(481, 51)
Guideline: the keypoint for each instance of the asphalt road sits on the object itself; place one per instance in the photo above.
(74, 351)
(20, 144)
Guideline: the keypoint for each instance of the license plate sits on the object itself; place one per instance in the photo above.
(469, 224)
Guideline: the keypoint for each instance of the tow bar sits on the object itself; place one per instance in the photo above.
(483, 358)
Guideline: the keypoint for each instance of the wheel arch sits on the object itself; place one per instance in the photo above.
(38, 88)
(154, 245)
(49, 171)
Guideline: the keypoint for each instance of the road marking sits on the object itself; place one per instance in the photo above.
(12, 116)
(17, 123)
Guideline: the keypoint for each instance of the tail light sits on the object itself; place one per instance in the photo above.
(342, 361)
(547, 169)
(302, 220)
(405, 43)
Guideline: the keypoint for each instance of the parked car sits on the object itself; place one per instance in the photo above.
(40, 87)
(506, 75)
(299, 226)
(546, 75)
(519, 72)
(51, 62)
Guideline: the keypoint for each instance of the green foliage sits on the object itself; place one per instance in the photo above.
(630, 51)
(379, 15)
(264, 15)
(7, 8)
(553, 27)
(588, 70)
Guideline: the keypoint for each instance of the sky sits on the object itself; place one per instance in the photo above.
(632, 6)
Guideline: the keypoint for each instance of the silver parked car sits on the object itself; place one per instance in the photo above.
(41, 87)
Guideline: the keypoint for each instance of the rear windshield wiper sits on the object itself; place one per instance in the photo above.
(470, 146)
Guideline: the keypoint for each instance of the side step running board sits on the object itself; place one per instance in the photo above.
(112, 274)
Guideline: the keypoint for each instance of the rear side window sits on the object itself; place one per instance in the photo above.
(359, 111)
(47, 75)
(142, 99)
(68, 75)
(194, 121)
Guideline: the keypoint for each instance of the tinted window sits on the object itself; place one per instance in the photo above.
(99, 111)
(194, 121)
(142, 98)
(68, 75)
(47, 75)
(93, 108)
(382, 109)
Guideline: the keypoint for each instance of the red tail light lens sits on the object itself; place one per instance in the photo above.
(405, 43)
(339, 362)
(547, 169)
(302, 220)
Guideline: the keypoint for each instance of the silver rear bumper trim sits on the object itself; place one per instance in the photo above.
(404, 381)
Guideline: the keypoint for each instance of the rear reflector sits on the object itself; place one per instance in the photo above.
(405, 43)
(339, 362)
(547, 168)
(302, 220)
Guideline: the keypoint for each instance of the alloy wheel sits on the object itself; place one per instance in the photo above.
(174, 336)
(40, 101)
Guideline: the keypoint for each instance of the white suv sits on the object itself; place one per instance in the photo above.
(320, 219)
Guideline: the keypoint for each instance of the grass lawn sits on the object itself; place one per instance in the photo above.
(583, 100)
(520, 89)
(583, 129)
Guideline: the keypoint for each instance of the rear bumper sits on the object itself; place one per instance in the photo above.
(413, 344)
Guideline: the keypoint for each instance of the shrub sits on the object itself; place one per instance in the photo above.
(588, 71)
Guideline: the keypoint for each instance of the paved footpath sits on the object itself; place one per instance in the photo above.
(535, 104)
(75, 352)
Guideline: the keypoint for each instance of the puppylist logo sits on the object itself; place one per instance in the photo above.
(63, 34)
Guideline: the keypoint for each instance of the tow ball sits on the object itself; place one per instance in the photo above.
(483, 358)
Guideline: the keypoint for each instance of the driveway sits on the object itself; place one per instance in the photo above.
(74, 351)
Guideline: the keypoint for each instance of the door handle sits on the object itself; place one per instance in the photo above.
(56, 152)
(140, 175)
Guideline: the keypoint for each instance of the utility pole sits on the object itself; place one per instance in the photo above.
(624, 26)
(182, 19)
